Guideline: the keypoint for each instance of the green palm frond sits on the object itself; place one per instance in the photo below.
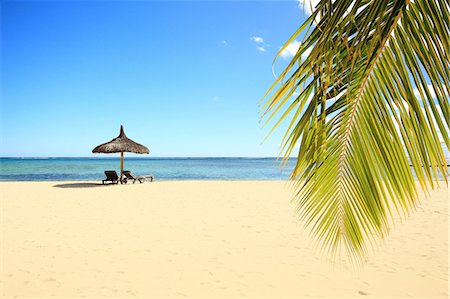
(365, 111)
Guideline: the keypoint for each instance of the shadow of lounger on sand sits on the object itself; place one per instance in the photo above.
(80, 185)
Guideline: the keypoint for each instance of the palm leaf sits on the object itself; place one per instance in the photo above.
(364, 113)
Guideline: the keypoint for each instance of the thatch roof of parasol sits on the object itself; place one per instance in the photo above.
(121, 144)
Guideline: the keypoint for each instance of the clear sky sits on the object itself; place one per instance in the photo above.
(183, 77)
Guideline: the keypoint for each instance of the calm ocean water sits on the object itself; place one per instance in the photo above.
(74, 169)
(78, 169)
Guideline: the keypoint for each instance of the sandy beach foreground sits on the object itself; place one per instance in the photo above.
(200, 238)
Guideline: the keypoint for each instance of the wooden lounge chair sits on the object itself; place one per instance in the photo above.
(111, 176)
(130, 176)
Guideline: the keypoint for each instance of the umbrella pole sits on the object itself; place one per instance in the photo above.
(121, 165)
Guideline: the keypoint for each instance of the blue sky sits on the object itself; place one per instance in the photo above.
(183, 77)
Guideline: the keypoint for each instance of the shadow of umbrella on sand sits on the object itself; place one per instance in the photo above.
(121, 144)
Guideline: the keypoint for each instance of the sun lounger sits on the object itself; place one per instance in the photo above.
(130, 176)
(111, 176)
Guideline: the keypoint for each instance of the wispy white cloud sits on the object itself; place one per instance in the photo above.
(261, 49)
(307, 5)
(257, 39)
(216, 99)
(225, 43)
(292, 49)
(261, 44)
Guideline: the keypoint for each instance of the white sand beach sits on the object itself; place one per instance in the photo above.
(200, 239)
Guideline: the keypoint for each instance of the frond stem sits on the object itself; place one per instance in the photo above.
(360, 91)
(352, 115)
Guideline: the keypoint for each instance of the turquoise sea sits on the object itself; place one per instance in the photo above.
(77, 169)
(80, 169)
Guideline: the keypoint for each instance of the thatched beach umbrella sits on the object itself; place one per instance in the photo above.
(120, 145)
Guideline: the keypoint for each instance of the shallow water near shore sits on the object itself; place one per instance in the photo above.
(83, 169)
(67, 169)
